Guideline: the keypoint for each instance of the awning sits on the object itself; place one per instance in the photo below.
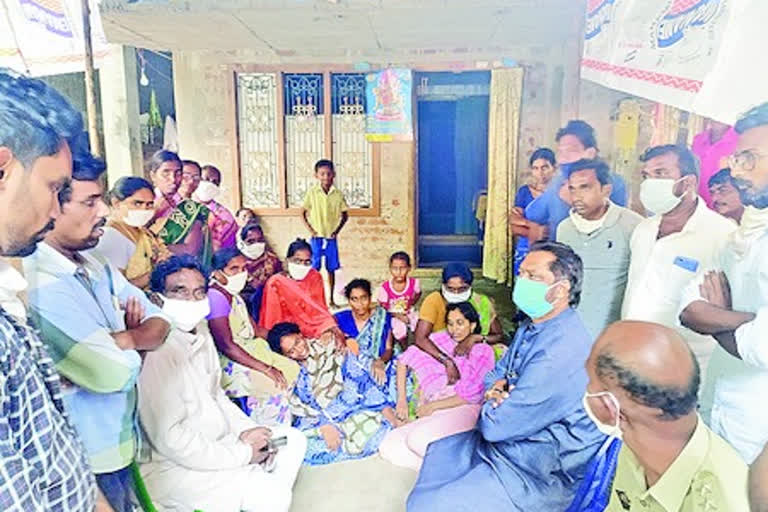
(45, 37)
(701, 56)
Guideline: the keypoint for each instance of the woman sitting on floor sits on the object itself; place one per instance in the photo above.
(127, 243)
(336, 402)
(262, 264)
(368, 330)
(457, 287)
(258, 378)
(298, 296)
(442, 409)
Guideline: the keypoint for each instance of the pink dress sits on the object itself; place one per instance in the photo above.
(406, 445)
(400, 303)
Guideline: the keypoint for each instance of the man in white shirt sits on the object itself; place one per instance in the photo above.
(669, 248)
(206, 454)
(732, 303)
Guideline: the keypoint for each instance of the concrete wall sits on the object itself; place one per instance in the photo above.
(204, 109)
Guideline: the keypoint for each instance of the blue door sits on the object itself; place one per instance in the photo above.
(453, 164)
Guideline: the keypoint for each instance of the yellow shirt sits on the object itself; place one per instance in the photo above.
(707, 476)
(324, 210)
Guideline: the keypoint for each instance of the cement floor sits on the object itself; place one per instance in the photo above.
(366, 485)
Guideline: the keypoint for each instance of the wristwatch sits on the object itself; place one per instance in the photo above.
(443, 358)
(485, 339)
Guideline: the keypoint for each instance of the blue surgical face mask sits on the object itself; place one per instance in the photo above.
(531, 297)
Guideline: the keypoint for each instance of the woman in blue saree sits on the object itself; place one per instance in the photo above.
(368, 331)
(336, 403)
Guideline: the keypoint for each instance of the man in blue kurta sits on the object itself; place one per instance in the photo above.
(533, 440)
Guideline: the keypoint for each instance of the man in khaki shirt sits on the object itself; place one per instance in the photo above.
(643, 384)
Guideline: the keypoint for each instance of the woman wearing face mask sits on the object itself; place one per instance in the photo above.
(438, 409)
(298, 296)
(221, 222)
(260, 379)
(127, 242)
(457, 287)
(263, 263)
(368, 330)
(336, 403)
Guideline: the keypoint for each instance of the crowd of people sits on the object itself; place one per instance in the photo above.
(165, 343)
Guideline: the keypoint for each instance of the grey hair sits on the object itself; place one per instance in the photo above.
(674, 402)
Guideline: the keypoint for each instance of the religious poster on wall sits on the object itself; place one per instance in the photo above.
(389, 100)
(662, 50)
(45, 37)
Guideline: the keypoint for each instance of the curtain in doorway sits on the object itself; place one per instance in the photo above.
(503, 132)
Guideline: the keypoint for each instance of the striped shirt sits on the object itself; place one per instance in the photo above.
(42, 462)
(77, 308)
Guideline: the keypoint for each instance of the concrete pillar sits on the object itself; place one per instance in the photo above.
(120, 113)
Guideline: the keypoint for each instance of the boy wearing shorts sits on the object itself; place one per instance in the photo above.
(324, 214)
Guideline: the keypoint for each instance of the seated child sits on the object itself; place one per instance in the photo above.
(399, 295)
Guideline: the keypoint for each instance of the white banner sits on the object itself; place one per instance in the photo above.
(45, 37)
(684, 53)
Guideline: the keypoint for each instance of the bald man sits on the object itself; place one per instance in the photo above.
(643, 384)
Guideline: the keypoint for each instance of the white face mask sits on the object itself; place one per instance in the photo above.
(186, 314)
(253, 251)
(138, 218)
(609, 430)
(236, 283)
(206, 191)
(298, 272)
(455, 298)
(587, 226)
(657, 195)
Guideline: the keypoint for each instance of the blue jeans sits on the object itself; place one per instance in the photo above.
(117, 487)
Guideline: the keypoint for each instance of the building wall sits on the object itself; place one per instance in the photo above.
(206, 133)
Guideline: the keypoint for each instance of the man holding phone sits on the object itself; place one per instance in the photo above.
(205, 453)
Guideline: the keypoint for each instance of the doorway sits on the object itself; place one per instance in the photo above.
(453, 164)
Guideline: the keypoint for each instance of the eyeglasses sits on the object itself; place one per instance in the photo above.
(745, 160)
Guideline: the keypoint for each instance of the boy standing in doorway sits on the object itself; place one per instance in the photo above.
(324, 214)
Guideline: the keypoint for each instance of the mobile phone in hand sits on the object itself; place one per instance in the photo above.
(278, 442)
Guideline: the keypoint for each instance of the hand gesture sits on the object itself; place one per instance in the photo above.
(401, 412)
(465, 347)
(452, 371)
(277, 377)
(379, 372)
(331, 436)
(134, 313)
(425, 410)
(716, 290)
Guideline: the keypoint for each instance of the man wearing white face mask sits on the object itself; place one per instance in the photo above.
(127, 242)
(221, 221)
(669, 248)
(206, 454)
(599, 231)
(643, 384)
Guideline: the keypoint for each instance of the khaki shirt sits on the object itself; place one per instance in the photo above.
(324, 210)
(707, 476)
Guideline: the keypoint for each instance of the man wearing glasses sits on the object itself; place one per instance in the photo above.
(731, 302)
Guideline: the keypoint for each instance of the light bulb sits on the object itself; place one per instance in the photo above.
(144, 81)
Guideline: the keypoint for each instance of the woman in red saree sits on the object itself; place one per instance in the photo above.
(298, 296)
